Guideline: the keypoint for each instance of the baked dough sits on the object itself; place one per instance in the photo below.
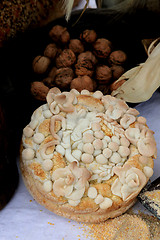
(86, 156)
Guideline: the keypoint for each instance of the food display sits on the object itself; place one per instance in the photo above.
(85, 155)
(66, 60)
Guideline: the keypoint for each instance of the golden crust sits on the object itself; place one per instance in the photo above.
(97, 199)
(58, 161)
(28, 141)
(106, 130)
(38, 171)
(44, 127)
(104, 189)
(92, 103)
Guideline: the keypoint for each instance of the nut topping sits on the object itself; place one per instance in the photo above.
(28, 154)
(131, 181)
(147, 146)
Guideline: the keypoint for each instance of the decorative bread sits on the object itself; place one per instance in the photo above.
(86, 156)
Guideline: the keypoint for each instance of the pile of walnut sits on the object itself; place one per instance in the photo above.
(89, 63)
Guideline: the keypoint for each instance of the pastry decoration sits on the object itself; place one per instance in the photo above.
(86, 154)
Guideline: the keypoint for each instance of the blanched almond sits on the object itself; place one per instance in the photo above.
(106, 203)
(28, 154)
(92, 192)
(47, 186)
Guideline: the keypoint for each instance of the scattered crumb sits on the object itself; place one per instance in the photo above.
(123, 227)
(128, 226)
(50, 223)
(135, 226)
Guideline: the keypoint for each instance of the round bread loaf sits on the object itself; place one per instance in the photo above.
(86, 156)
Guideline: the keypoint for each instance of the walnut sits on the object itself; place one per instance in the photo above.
(64, 77)
(88, 36)
(87, 55)
(117, 57)
(117, 71)
(66, 59)
(41, 64)
(65, 37)
(85, 64)
(84, 68)
(59, 33)
(103, 74)
(102, 48)
(39, 90)
(51, 50)
(76, 46)
(82, 82)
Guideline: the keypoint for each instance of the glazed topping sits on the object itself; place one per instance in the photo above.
(93, 135)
